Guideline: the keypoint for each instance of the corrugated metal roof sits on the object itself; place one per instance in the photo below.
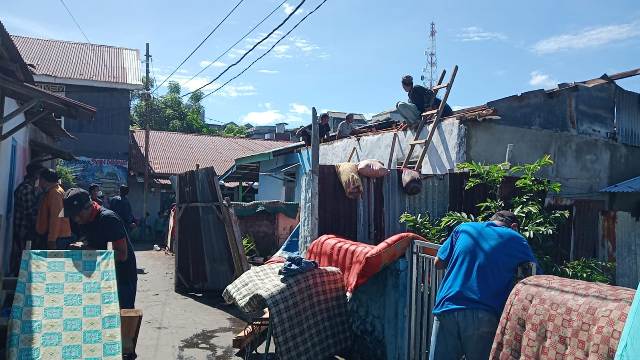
(81, 61)
(631, 185)
(175, 153)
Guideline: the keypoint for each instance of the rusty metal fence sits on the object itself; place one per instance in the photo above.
(424, 281)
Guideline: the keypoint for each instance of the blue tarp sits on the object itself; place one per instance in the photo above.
(629, 346)
(290, 246)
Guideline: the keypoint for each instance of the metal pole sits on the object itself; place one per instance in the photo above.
(315, 172)
(146, 142)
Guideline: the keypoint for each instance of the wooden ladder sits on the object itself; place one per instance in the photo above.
(435, 115)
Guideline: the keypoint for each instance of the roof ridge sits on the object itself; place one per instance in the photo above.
(212, 136)
(73, 42)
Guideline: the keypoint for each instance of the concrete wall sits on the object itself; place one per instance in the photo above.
(14, 161)
(446, 150)
(582, 164)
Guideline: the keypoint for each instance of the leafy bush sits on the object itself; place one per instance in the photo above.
(537, 224)
(249, 245)
(423, 225)
(67, 177)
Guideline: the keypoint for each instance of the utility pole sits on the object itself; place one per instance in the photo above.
(315, 172)
(147, 100)
(430, 70)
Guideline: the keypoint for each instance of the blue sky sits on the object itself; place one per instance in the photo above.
(349, 55)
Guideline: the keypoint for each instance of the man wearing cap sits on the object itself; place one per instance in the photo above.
(481, 260)
(50, 224)
(99, 226)
(420, 99)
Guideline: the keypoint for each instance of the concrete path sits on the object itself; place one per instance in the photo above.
(176, 326)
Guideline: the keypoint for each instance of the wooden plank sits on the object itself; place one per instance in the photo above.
(130, 320)
(26, 106)
(440, 86)
(23, 124)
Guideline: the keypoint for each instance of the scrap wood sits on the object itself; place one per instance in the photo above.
(251, 332)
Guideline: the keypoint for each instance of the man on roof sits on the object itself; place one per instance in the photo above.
(481, 261)
(323, 128)
(346, 128)
(420, 99)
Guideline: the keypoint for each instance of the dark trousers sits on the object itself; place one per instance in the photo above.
(127, 293)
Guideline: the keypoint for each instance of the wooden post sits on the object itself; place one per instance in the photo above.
(315, 172)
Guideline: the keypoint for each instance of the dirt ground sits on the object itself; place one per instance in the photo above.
(176, 326)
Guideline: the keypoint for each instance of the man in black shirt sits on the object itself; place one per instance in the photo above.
(100, 226)
(419, 101)
(122, 207)
(324, 130)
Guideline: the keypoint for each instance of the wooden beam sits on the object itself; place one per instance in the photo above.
(26, 106)
(23, 124)
(625, 74)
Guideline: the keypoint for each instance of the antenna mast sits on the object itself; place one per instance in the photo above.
(430, 70)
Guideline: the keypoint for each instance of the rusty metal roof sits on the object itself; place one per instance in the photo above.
(175, 153)
(631, 185)
(81, 61)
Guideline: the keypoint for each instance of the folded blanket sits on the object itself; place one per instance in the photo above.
(307, 312)
(548, 317)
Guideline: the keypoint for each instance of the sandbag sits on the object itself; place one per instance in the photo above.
(372, 168)
(411, 181)
(350, 180)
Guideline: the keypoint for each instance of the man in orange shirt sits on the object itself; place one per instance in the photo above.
(51, 223)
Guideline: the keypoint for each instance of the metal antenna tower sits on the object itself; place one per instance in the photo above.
(430, 70)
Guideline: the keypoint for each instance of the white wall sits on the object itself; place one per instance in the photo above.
(272, 188)
(446, 150)
(22, 157)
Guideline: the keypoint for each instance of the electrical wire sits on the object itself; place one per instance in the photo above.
(237, 42)
(250, 50)
(75, 21)
(199, 45)
(267, 52)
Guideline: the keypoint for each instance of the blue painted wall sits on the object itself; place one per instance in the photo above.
(378, 312)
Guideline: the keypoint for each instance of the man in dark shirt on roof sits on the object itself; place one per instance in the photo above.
(419, 101)
(99, 226)
(323, 128)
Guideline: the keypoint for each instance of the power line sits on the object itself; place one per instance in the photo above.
(250, 50)
(268, 51)
(75, 21)
(237, 42)
(199, 45)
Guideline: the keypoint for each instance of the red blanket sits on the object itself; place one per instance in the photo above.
(548, 317)
(358, 261)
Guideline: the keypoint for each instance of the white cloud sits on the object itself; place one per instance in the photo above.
(543, 80)
(265, 71)
(299, 109)
(22, 26)
(235, 52)
(280, 51)
(587, 38)
(304, 45)
(205, 63)
(267, 117)
(474, 33)
(288, 9)
(187, 85)
(236, 90)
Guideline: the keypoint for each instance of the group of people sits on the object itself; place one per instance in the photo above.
(421, 99)
(50, 218)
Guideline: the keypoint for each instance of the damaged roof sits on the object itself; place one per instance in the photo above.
(629, 186)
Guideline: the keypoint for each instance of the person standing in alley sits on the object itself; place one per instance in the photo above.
(481, 260)
(96, 194)
(420, 99)
(120, 205)
(100, 226)
(25, 213)
(52, 227)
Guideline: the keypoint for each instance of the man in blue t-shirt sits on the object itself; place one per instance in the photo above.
(481, 260)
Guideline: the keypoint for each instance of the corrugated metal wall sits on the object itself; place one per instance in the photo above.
(627, 241)
(628, 117)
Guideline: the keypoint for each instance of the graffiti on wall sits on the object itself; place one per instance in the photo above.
(108, 173)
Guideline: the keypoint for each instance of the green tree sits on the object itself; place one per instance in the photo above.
(67, 178)
(234, 130)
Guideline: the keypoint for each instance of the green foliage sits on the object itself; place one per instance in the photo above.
(67, 178)
(589, 270)
(249, 245)
(423, 225)
(537, 224)
(234, 130)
